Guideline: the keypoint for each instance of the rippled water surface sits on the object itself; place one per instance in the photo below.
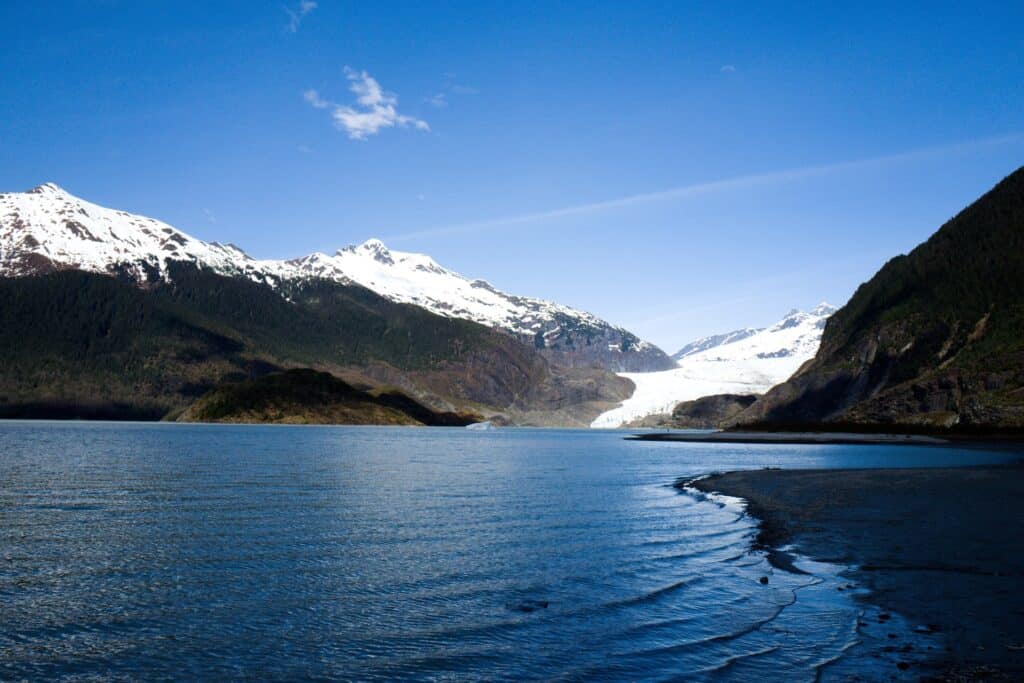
(212, 552)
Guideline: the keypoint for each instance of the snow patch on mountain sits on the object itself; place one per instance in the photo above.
(746, 364)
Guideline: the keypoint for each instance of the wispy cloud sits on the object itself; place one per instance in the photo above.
(766, 287)
(210, 216)
(296, 15)
(313, 97)
(439, 100)
(374, 109)
(698, 189)
(452, 86)
(463, 89)
(449, 89)
(728, 69)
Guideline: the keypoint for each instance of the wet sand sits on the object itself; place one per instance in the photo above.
(942, 547)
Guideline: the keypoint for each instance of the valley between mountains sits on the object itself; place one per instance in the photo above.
(109, 315)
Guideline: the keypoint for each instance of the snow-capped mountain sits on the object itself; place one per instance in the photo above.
(48, 229)
(745, 364)
(705, 343)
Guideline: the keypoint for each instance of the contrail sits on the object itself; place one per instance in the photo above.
(697, 189)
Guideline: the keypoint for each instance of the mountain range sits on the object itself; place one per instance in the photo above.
(108, 314)
(743, 362)
(48, 229)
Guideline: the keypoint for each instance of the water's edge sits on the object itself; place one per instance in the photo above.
(902, 647)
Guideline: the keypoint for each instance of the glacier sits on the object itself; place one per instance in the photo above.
(749, 361)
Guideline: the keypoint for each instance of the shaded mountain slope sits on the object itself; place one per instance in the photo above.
(935, 338)
(311, 397)
(83, 345)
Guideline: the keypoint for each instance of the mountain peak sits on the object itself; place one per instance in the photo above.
(824, 308)
(795, 318)
(48, 188)
(372, 247)
(378, 250)
(373, 244)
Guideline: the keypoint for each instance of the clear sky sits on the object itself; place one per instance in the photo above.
(678, 168)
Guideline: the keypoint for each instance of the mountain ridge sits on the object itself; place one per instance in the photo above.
(47, 229)
(711, 341)
(934, 339)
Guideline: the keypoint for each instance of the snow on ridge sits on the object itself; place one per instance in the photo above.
(415, 278)
(705, 343)
(69, 232)
(748, 365)
(48, 221)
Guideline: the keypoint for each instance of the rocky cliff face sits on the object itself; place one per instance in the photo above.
(935, 338)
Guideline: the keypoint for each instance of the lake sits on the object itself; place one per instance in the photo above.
(161, 551)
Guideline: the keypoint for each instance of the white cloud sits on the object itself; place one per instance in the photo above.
(728, 69)
(374, 110)
(295, 16)
(210, 216)
(439, 100)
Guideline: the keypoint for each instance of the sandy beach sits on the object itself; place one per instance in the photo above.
(941, 547)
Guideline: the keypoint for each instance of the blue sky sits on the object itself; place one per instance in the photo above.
(678, 168)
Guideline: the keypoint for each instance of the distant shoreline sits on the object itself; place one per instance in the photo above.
(993, 441)
(792, 438)
(937, 546)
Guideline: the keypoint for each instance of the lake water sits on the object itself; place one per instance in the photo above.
(213, 552)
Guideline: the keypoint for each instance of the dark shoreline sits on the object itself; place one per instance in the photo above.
(939, 546)
(846, 438)
(998, 441)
